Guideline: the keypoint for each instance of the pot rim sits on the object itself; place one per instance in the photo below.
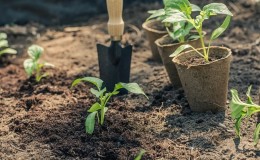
(144, 25)
(177, 62)
(157, 42)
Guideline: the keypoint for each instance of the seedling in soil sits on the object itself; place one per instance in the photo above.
(4, 47)
(99, 108)
(244, 110)
(177, 30)
(140, 155)
(183, 14)
(32, 65)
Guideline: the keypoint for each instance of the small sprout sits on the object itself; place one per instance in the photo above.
(32, 65)
(140, 155)
(4, 47)
(241, 110)
(99, 109)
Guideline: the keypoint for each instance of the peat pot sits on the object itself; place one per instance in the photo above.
(154, 30)
(166, 46)
(205, 84)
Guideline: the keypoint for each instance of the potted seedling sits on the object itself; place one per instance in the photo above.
(4, 47)
(154, 29)
(99, 109)
(33, 66)
(204, 72)
(244, 110)
(179, 32)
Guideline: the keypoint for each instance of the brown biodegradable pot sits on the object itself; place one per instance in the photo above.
(154, 29)
(205, 85)
(166, 46)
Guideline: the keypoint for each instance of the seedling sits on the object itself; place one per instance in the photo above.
(99, 109)
(244, 110)
(183, 14)
(4, 47)
(177, 30)
(140, 155)
(32, 65)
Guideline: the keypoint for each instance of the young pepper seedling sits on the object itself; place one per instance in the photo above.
(241, 110)
(32, 65)
(183, 14)
(99, 108)
(4, 47)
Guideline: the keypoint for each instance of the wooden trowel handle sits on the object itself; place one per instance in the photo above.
(115, 23)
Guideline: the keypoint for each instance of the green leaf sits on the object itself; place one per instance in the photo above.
(216, 33)
(3, 36)
(35, 52)
(256, 134)
(96, 81)
(29, 66)
(90, 122)
(180, 49)
(176, 17)
(98, 93)
(156, 14)
(8, 51)
(133, 88)
(3, 43)
(95, 107)
(139, 157)
(216, 8)
(181, 5)
(249, 98)
(195, 8)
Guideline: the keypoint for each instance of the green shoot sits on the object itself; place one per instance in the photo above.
(99, 108)
(4, 47)
(140, 155)
(241, 110)
(32, 65)
(183, 14)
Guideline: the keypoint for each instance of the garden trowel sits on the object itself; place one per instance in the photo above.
(114, 61)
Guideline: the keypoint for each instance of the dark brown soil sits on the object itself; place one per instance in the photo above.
(46, 120)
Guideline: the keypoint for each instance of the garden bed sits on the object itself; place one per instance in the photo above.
(46, 120)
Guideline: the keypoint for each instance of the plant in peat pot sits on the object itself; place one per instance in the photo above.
(4, 47)
(32, 65)
(179, 32)
(242, 110)
(154, 29)
(203, 72)
(99, 109)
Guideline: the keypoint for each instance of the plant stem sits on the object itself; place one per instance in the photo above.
(206, 57)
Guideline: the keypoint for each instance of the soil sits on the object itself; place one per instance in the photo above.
(46, 120)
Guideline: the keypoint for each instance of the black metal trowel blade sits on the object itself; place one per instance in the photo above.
(114, 63)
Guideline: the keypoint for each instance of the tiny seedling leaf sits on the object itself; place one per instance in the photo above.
(139, 156)
(256, 134)
(3, 43)
(35, 52)
(8, 51)
(217, 32)
(95, 107)
(3, 36)
(29, 66)
(90, 122)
